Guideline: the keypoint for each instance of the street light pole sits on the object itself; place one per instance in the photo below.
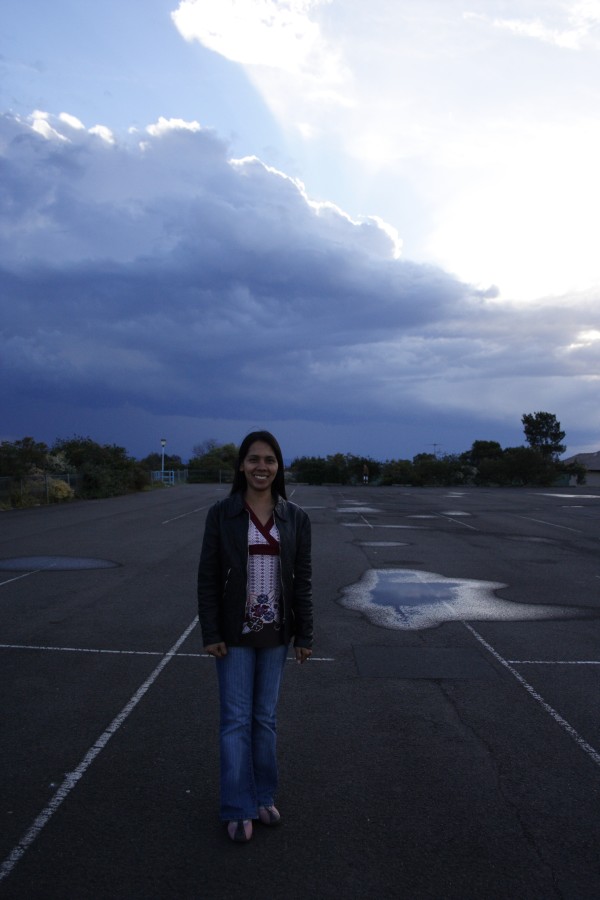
(162, 469)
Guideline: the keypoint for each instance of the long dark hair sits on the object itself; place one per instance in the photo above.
(239, 479)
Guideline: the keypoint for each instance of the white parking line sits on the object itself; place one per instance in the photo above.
(458, 522)
(47, 648)
(18, 577)
(552, 524)
(185, 515)
(73, 777)
(554, 662)
(566, 726)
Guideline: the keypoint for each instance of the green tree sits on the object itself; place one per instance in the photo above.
(481, 450)
(153, 462)
(397, 471)
(429, 469)
(204, 447)
(215, 464)
(106, 470)
(485, 462)
(543, 433)
(309, 469)
(19, 458)
(526, 465)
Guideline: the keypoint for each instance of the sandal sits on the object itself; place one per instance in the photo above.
(240, 830)
(269, 815)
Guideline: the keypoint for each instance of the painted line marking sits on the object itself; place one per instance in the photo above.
(185, 515)
(73, 777)
(552, 524)
(458, 522)
(554, 662)
(18, 577)
(129, 652)
(574, 496)
(566, 726)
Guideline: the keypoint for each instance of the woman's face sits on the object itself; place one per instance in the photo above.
(260, 466)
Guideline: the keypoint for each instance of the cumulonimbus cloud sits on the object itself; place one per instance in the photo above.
(157, 273)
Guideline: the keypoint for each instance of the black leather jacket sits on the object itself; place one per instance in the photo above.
(223, 572)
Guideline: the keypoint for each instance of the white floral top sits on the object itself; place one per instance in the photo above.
(263, 608)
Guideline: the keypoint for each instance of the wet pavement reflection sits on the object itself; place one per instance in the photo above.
(414, 599)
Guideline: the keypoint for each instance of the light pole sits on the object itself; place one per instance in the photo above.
(162, 468)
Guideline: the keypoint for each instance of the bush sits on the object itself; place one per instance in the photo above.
(22, 499)
(59, 491)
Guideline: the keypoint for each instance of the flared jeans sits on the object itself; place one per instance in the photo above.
(249, 683)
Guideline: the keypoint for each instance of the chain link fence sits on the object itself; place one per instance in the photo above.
(37, 490)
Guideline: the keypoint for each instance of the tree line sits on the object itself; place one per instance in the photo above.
(72, 467)
(486, 463)
(106, 470)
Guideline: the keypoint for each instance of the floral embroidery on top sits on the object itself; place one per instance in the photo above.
(263, 600)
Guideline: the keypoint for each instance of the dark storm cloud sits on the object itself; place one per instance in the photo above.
(160, 275)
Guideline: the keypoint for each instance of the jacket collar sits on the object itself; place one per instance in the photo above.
(236, 505)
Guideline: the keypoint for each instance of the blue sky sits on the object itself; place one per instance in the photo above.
(368, 227)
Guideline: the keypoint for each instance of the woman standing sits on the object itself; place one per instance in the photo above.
(254, 595)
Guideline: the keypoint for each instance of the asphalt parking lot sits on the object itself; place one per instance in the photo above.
(444, 741)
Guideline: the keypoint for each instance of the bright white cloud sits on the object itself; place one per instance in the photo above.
(501, 171)
(581, 21)
(73, 121)
(282, 47)
(164, 126)
(277, 33)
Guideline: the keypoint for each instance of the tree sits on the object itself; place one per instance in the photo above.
(526, 465)
(397, 471)
(482, 450)
(106, 470)
(429, 469)
(309, 469)
(216, 464)
(204, 447)
(153, 462)
(19, 458)
(543, 433)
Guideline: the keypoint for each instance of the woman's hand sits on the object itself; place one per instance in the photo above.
(217, 650)
(302, 654)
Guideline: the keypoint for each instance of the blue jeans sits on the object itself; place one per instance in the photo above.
(249, 682)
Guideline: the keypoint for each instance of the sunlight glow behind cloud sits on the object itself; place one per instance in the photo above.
(514, 190)
(582, 21)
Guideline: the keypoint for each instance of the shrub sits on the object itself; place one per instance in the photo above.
(59, 491)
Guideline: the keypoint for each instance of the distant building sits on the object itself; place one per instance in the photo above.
(591, 463)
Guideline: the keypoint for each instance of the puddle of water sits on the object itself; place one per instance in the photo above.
(531, 540)
(398, 526)
(382, 544)
(454, 512)
(575, 496)
(373, 526)
(356, 509)
(412, 600)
